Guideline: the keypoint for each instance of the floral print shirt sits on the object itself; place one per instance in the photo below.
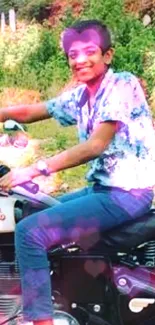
(129, 160)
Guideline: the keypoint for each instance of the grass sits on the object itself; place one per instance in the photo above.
(56, 139)
(52, 137)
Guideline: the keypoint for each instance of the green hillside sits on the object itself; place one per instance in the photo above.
(31, 58)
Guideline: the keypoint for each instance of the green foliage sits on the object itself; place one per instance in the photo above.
(25, 8)
(131, 38)
(33, 61)
(5, 5)
(150, 70)
(31, 9)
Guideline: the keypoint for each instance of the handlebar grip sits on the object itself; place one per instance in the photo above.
(30, 187)
(4, 170)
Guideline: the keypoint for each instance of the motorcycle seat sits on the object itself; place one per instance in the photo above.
(123, 239)
(131, 234)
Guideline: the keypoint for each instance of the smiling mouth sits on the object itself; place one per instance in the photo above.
(83, 69)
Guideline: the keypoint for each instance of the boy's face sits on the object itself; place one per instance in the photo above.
(87, 61)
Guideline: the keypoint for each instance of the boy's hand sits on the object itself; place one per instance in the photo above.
(15, 177)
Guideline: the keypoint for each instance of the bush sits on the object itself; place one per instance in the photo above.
(131, 38)
(6, 5)
(29, 9)
(33, 61)
(33, 9)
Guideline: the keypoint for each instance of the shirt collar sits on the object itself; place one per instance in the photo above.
(104, 82)
(84, 96)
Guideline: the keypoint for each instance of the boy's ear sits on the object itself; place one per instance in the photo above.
(108, 56)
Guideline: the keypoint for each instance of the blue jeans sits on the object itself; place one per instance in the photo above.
(82, 215)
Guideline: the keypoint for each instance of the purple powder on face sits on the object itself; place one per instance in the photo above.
(89, 35)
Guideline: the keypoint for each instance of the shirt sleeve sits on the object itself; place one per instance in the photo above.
(125, 100)
(63, 108)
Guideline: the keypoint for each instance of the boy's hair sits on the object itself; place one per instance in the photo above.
(88, 25)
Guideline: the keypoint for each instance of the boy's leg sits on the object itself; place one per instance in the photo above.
(75, 194)
(73, 220)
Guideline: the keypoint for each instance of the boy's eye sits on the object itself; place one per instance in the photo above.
(72, 56)
(87, 52)
(90, 52)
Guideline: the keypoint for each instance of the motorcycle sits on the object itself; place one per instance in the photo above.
(111, 283)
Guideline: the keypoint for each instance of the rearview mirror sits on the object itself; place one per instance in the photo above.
(11, 125)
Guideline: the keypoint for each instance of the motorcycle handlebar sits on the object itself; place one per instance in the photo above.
(28, 186)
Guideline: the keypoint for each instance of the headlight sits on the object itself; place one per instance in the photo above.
(63, 318)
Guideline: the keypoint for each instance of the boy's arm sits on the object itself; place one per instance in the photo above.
(25, 113)
(61, 108)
